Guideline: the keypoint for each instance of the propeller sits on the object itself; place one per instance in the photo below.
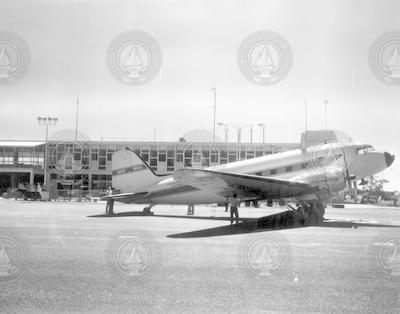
(351, 181)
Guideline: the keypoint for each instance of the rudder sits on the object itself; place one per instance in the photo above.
(130, 174)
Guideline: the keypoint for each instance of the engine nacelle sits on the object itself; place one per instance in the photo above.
(328, 180)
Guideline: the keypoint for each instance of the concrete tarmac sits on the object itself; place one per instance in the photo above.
(70, 257)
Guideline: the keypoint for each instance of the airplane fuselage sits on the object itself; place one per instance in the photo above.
(325, 167)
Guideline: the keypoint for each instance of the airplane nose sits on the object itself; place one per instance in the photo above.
(389, 158)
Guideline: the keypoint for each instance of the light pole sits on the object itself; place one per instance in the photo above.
(214, 89)
(239, 134)
(238, 129)
(262, 126)
(46, 121)
(251, 131)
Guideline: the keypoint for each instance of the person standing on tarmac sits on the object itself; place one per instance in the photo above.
(110, 202)
(235, 203)
(190, 210)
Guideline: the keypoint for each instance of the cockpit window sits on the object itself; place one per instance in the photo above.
(365, 149)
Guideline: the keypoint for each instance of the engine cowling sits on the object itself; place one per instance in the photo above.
(328, 181)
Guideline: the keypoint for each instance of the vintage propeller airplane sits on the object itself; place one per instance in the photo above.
(307, 176)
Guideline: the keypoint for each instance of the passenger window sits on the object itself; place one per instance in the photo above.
(273, 171)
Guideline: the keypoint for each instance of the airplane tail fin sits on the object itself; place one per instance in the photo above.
(130, 173)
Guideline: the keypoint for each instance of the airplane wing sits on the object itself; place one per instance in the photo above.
(244, 185)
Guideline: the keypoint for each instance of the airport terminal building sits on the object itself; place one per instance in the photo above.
(86, 165)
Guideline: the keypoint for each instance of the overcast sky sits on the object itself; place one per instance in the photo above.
(199, 41)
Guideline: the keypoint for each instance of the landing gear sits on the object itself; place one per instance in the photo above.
(311, 212)
(320, 209)
(147, 210)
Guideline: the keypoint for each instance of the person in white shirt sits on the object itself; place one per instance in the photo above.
(110, 202)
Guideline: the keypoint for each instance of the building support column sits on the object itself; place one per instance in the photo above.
(13, 183)
(31, 177)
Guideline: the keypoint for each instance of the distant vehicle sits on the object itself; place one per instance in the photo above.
(309, 175)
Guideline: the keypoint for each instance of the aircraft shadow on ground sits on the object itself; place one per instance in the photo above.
(140, 213)
(275, 222)
(279, 221)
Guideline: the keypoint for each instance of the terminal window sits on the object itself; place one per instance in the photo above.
(197, 157)
(170, 154)
(162, 156)
(68, 162)
(214, 157)
(250, 154)
(153, 153)
(188, 162)
(145, 157)
(109, 154)
(153, 162)
(188, 153)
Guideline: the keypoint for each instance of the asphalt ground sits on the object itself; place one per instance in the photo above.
(70, 257)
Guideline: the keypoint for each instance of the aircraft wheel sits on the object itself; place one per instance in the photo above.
(147, 211)
(313, 214)
(320, 212)
(304, 218)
